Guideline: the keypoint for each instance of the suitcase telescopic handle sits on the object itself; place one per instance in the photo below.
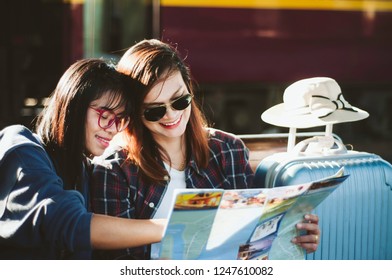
(319, 145)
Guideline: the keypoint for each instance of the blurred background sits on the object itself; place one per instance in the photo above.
(242, 54)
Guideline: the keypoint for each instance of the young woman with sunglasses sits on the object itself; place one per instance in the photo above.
(44, 195)
(167, 146)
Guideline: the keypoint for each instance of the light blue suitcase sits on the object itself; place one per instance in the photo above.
(356, 219)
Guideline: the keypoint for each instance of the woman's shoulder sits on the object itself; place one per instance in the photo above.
(112, 155)
(221, 142)
(16, 136)
(114, 158)
(224, 137)
(22, 149)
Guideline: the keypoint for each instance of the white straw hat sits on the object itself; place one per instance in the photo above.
(312, 102)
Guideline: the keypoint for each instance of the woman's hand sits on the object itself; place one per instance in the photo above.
(311, 239)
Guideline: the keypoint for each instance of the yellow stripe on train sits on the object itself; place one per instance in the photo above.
(342, 5)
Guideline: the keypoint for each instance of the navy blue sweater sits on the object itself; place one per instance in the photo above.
(38, 218)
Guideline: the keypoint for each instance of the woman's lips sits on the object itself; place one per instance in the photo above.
(104, 141)
(172, 124)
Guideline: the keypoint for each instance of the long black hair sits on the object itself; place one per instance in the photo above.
(61, 125)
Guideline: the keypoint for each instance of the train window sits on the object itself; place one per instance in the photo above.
(112, 26)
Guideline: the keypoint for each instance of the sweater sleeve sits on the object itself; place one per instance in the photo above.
(38, 213)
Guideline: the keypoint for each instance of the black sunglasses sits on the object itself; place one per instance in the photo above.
(156, 113)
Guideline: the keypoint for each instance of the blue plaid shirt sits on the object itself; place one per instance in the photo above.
(117, 190)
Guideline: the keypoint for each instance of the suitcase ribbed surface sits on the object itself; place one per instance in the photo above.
(356, 219)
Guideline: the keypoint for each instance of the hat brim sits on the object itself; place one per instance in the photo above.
(277, 115)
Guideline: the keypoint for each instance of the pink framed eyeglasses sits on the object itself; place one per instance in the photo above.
(107, 118)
